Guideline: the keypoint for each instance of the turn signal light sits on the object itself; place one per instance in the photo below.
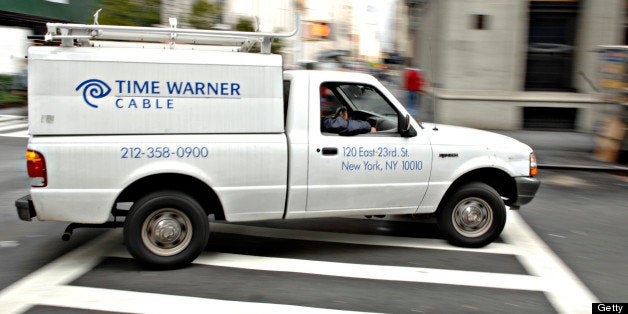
(534, 170)
(36, 166)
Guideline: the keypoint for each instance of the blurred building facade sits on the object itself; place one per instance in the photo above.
(179, 9)
(360, 28)
(19, 19)
(517, 64)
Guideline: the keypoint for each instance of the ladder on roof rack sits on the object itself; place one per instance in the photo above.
(67, 33)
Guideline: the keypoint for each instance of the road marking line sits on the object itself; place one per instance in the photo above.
(141, 302)
(14, 127)
(18, 297)
(23, 133)
(323, 236)
(565, 291)
(375, 272)
(362, 271)
(558, 236)
(7, 117)
(9, 244)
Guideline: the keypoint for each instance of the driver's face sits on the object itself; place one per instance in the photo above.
(344, 115)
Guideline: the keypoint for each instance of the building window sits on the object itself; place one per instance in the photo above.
(551, 40)
(479, 21)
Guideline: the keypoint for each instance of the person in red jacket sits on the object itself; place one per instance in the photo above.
(413, 83)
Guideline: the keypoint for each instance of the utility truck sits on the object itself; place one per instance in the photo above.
(162, 138)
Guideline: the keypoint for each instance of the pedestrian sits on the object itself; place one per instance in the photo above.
(413, 84)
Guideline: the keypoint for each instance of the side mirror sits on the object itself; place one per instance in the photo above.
(405, 128)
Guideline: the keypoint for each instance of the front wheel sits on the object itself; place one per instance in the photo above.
(473, 216)
(166, 229)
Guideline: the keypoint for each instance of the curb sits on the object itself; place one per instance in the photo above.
(617, 169)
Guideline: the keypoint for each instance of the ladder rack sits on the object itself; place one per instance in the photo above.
(67, 33)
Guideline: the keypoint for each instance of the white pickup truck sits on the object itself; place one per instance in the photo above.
(156, 140)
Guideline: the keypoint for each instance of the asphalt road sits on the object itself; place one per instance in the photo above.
(582, 216)
(331, 264)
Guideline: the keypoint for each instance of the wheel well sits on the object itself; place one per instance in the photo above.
(196, 188)
(499, 180)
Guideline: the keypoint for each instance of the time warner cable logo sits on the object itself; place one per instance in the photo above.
(93, 89)
(155, 94)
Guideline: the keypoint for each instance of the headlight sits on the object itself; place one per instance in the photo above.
(534, 170)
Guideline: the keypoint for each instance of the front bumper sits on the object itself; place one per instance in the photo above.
(25, 208)
(526, 189)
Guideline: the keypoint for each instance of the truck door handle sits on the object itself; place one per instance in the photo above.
(330, 151)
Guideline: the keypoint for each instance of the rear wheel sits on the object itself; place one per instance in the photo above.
(166, 229)
(474, 215)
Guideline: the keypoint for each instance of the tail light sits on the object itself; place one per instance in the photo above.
(36, 166)
(534, 170)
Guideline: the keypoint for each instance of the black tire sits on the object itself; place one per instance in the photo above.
(166, 229)
(473, 216)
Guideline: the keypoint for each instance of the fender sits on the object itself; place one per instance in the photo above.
(445, 171)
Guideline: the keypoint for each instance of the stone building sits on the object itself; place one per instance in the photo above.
(517, 64)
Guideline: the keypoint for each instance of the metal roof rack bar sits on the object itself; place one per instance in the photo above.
(68, 32)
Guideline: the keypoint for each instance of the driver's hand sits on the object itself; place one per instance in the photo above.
(373, 129)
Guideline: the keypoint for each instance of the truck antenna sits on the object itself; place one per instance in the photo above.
(96, 16)
(429, 47)
(430, 56)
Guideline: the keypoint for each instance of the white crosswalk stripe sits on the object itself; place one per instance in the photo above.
(546, 273)
(141, 302)
(13, 126)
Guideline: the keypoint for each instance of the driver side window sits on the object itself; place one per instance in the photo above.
(368, 99)
(362, 102)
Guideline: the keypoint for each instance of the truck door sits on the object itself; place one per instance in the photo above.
(367, 173)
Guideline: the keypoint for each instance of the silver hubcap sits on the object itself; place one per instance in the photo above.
(166, 232)
(472, 217)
